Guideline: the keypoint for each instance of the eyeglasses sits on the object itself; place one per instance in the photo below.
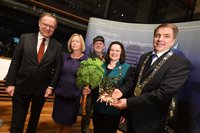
(48, 26)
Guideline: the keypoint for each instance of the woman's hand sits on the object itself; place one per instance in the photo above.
(86, 90)
(105, 97)
(117, 94)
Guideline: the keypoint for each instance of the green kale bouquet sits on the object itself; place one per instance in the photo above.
(90, 73)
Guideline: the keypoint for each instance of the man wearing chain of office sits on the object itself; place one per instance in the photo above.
(152, 85)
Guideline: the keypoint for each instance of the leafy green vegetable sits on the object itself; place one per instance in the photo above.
(89, 73)
(107, 85)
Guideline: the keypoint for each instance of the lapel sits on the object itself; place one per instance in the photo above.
(151, 68)
(147, 68)
(33, 45)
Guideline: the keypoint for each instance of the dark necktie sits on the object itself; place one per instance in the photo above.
(153, 58)
(150, 61)
(41, 50)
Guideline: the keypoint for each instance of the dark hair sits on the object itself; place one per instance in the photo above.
(98, 38)
(122, 56)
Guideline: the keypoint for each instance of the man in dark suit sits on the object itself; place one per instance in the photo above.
(31, 78)
(152, 85)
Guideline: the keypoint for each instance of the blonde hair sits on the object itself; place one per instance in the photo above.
(81, 41)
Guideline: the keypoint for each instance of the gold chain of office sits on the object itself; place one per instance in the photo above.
(139, 86)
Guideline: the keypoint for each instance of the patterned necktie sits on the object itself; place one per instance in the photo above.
(41, 50)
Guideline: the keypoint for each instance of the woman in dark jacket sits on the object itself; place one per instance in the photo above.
(106, 118)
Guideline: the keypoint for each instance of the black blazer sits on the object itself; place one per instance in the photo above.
(148, 111)
(26, 74)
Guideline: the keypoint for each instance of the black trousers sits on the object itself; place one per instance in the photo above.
(105, 123)
(20, 109)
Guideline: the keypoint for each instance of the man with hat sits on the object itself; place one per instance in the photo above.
(97, 52)
(98, 48)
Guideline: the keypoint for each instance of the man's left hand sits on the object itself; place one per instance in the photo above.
(48, 92)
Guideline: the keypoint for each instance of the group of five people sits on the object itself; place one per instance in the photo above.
(143, 93)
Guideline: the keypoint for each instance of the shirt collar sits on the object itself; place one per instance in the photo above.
(161, 53)
(40, 37)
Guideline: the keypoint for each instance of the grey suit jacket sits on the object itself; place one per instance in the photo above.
(26, 74)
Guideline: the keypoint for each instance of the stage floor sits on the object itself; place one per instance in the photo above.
(46, 124)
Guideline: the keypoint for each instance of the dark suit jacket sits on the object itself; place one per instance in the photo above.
(147, 112)
(26, 74)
